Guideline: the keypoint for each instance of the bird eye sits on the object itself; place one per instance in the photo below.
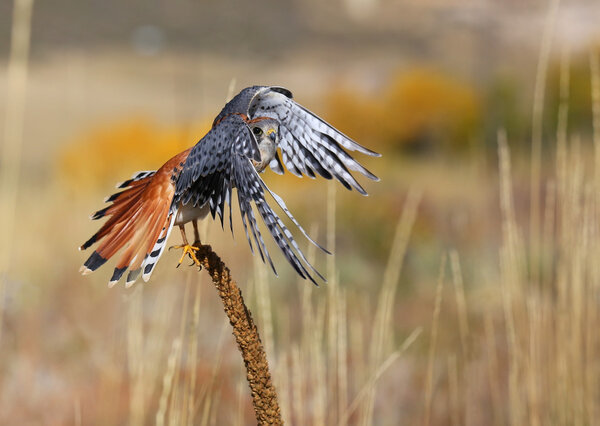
(257, 131)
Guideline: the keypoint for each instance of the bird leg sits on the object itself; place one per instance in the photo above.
(188, 249)
(197, 242)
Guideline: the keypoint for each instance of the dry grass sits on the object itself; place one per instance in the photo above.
(14, 122)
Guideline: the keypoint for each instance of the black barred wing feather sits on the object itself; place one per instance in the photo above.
(308, 144)
(251, 188)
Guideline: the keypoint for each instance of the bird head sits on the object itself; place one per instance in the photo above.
(265, 128)
(266, 132)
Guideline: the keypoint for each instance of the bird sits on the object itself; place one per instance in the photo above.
(246, 137)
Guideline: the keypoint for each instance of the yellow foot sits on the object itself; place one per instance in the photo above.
(190, 251)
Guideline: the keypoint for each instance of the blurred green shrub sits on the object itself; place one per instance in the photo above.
(579, 97)
(507, 108)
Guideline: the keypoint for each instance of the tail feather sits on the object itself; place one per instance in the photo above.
(137, 249)
(142, 249)
(117, 214)
(135, 236)
(136, 240)
(103, 231)
(117, 233)
(119, 200)
(94, 262)
(134, 187)
(132, 276)
(99, 214)
(138, 176)
(158, 248)
(117, 274)
(139, 222)
(128, 193)
(120, 235)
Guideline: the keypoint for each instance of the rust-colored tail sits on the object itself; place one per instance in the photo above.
(140, 220)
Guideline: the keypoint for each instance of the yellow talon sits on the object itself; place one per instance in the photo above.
(189, 250)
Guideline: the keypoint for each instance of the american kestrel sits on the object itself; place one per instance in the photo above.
(243, 140)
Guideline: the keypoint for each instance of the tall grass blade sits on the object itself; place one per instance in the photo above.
(14, 124)
(461, 302)
(536, 137)
(382, 323)
(168, 381)
(299, 407)
(376, 375)
(136, 358)
(453, 390)
(493, 367)
(342, 351)
(433, 344)
(332, 301)
(595, 94)
(511, 270)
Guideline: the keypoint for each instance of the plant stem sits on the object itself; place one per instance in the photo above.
(264, 396)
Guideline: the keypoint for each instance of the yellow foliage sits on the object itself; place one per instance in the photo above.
(354, 113)
(422, 100)
(416, 106)
(113, 152)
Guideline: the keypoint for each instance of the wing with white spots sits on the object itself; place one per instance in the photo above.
(206, 174)
(308, 144)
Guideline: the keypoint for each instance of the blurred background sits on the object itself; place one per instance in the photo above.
(463, 290)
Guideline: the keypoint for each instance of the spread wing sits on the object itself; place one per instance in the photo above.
(308, 144)
(221, 162)
(206, 173)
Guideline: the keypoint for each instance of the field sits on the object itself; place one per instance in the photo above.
(463, 290)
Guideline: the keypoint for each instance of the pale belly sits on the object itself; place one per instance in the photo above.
(188, 213)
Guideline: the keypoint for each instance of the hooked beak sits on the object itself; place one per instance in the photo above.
(272, 135)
